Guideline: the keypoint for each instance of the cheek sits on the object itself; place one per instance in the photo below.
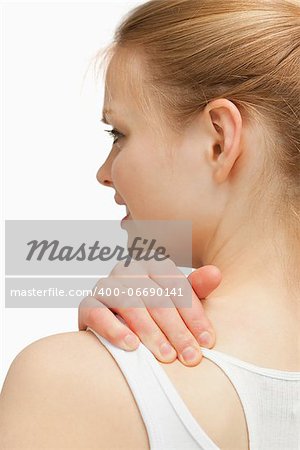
(127, 173)
(135, 168)
(141, 180)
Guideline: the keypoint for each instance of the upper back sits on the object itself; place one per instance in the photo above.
(240, 405)
(222, 403)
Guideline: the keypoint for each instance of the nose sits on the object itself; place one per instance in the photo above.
(104, 172)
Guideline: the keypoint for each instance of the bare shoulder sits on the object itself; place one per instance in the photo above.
(67, 391)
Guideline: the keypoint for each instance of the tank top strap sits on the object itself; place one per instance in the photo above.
(169, 423)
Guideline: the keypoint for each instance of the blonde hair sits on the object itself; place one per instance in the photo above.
(247, 51)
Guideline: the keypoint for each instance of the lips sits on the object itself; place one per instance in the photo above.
(119, 201)
(126, 218)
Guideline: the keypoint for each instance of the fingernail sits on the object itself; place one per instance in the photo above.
(131, 341)
(166, 349)
(189, 354)
(206, 339)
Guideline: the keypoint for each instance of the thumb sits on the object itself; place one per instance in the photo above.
(205, 280)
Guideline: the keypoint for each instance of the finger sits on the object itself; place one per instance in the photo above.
(191, 312)
(94, 314)
(198, 323)
(205, 280)
(151, 335)
(186, 327)
(179, 336)
(133, 310)
(159, 325)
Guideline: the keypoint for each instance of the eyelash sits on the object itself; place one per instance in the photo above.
(115, 134)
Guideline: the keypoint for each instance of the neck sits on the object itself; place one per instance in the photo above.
(255, 311)
(258, 268)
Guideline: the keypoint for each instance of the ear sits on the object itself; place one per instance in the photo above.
(225, 149)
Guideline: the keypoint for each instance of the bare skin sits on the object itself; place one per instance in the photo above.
(86, 398)
(254, 311)
(179, 328)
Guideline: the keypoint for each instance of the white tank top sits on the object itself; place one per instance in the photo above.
(270, 399)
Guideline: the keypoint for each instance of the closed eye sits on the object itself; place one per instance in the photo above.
(115, 134)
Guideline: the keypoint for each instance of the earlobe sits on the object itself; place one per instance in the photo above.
(221, 170)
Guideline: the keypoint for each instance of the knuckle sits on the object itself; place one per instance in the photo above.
(93, 316)
(114, 334)
(134, 268)
(101, 283)
(84, 303)
(136, 316)
(118, 269)
(162, 266)
(157, 336)
(196, 325)
(158, 304)
(129, 303)
(129, 310)
(183, 341)
(168, 266)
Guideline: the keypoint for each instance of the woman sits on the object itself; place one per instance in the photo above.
(204, 101)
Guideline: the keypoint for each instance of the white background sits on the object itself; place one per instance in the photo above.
(52, 142)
